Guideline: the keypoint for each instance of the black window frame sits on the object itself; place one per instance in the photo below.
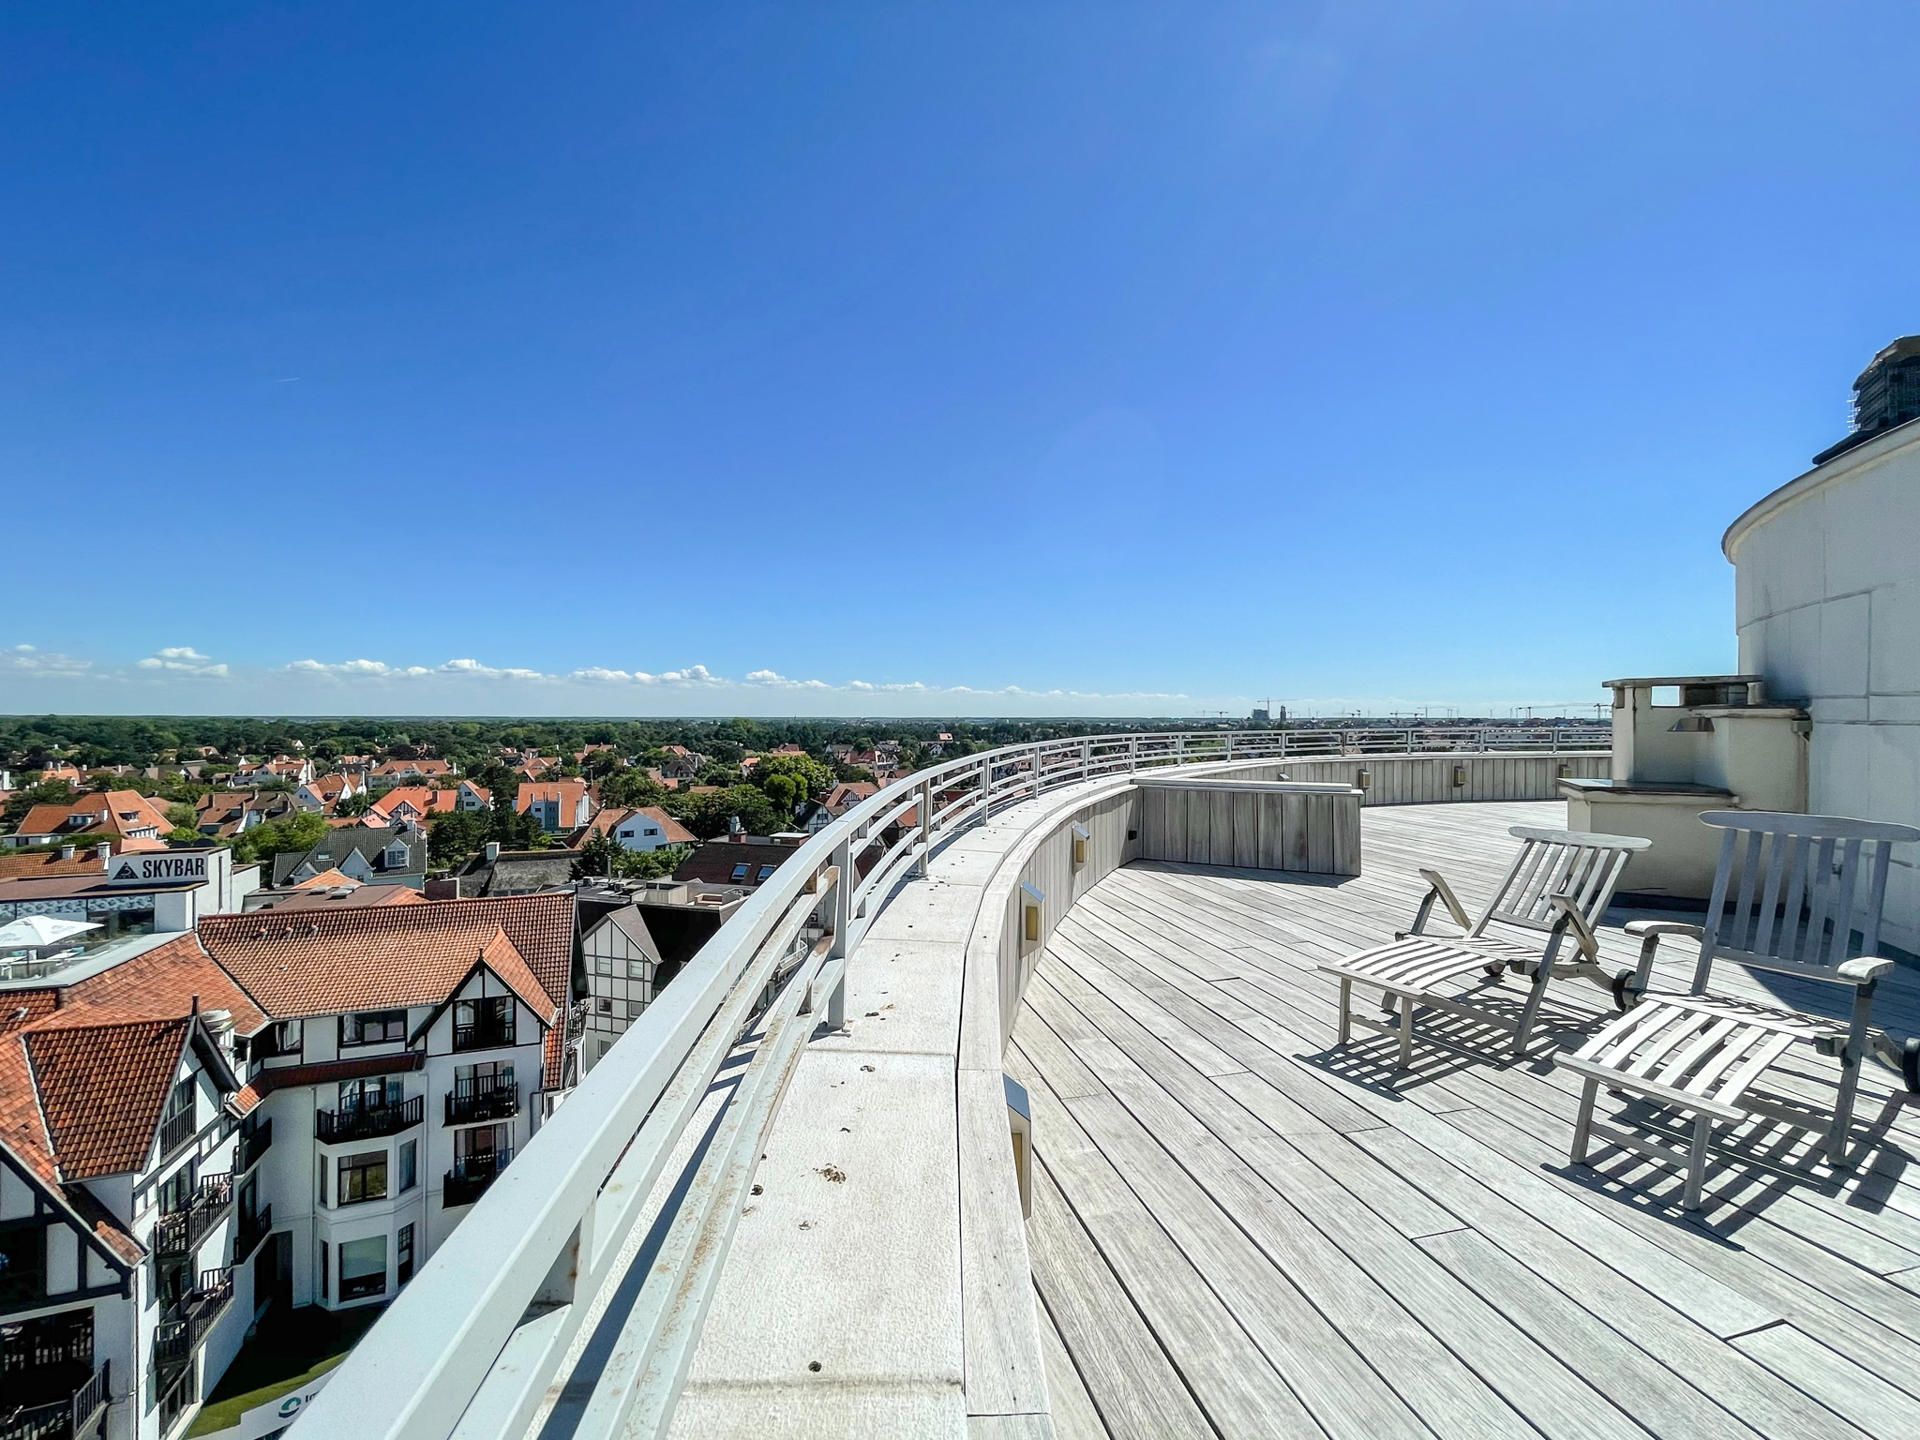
(358, 1165)
(403, 1254)
(389, 1020)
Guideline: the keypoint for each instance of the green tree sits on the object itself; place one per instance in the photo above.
(790, 780)
(632, 787)
(708, 815)
(183, 817)
(453, 837)
(297, 834)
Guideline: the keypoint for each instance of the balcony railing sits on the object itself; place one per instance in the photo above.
(179, 1232)
(777, 965)
(470, 1176)
(253, 1144)
(176, 1131)
(484, 1035)
(61, 1417)
(185, 1325)
(251, 1230)
(494, 1100)
(367, 1122)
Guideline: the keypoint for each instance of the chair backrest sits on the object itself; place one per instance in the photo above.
(1797, 893)
(1583, 867)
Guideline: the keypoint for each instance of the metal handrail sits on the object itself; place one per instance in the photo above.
(507, 1292)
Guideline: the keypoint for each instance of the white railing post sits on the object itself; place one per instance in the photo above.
(1086, 759)
(842, 909)
(926, 829)
(1229, 744)
(1133, 752)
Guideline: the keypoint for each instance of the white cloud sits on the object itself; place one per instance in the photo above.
(184, 660)
(46, 662)
(778, 681)
(700, 677)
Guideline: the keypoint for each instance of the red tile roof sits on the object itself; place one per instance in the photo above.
(569, 793)
(326, 962)
(102, 1087)
(423, 798)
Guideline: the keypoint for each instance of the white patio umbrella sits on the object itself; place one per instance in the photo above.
(34, 931)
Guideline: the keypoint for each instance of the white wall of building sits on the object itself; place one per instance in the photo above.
(1827, 602)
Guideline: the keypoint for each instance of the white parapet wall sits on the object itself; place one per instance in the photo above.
(1435, 779)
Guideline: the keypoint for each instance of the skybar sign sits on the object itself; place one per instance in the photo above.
(175, 868)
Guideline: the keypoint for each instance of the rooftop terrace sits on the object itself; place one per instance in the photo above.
(808, 1223)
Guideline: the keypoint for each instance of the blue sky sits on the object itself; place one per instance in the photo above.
(613, 358)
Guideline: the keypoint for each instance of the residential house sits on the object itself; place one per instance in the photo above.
(643, 828)
(680, 763)
(282, 769)
(258, 1114)
(389, 854)
(508, 872)
(556, 806)
(323, 793)
(402, 772)
(122, 814)
(746, 860)
(224, 814)
(127, 1237)
(635, 937)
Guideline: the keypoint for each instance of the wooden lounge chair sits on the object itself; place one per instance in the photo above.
(1793, 894)
(1556, 890)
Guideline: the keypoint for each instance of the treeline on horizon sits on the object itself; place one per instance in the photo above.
(87, 741)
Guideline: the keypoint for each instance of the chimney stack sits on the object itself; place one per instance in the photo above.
(493, 851)
(103, 851)
(66, 852)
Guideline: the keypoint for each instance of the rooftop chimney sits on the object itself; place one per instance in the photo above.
(66, 852)
(492, 851)
(103, 850)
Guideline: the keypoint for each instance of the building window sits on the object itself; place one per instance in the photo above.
(370, 1092)
(761, 878)
(326, 1271)
(403, 1254)
(363, 1267)
(740, 871)
(284, 1038)
(176, 1191)
(176, 1125)
(408, 1168)
(362, 1177)
(373, 1027)
(478, 1024)
(23, 1262)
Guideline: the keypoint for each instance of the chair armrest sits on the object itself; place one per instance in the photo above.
(1863, 970)
(1582, 932)
(1648, 933)
(1642, 929)
(1438, 889)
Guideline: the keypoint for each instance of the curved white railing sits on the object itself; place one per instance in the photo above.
(472, 1346)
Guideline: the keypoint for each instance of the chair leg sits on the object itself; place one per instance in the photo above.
(1697, 1162)
(1531, 1010)
(1583, 1122)
(1406, 1032)
(1346, 1010)
(1841, 1128)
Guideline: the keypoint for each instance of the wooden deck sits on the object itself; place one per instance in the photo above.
(1238, 1230)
